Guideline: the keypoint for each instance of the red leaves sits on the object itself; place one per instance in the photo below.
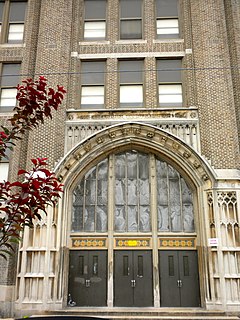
(35, 103)
(22, 202)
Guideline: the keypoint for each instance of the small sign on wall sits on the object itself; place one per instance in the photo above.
(213, 242)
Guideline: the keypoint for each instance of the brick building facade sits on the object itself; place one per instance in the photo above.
(150, 84)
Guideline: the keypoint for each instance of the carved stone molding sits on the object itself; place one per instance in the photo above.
(140, 135)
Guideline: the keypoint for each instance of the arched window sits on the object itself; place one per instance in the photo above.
(137, 197)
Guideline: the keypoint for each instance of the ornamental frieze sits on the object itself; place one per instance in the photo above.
(177, 243)
(88, 243)
(123, 243)
(131, 115)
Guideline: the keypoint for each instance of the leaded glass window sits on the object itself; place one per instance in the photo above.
(132, 207)
(132, 203)
(90, 200)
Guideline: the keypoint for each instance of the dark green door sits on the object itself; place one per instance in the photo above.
(179, 281)
(133, 279)
(88, 277)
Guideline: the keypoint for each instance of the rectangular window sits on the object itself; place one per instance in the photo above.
(131, 83)
(92, 90)
(9, 80)
(169, 83)
(167, 19)
(12, 14)
(4, 166)
(95, 20)
(130, 19)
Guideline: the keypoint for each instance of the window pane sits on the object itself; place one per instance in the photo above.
(170, 99)
(167, 8)
(170, 89)
(95, 9)
(170, 94)
(92, 72)
(4, 166)
(131, 29)
(15, 33)
(17, 11)
(131, 8)
(1, 10)
(8, 97)
(131, 95)
(10, 74)
(169, 70)
(94, 30)
(131, 71)
(167, 27)
(92, 95)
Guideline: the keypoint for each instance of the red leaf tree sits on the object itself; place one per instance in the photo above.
(23, 201)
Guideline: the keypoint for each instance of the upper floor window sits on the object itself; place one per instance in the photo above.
(12, 15)
(9, 80)
(95, 20)
(92, 84)
(131, 83)
(130, 19)
(169, 83)
(167, 19)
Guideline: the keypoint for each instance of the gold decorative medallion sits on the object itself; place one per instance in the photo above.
(177, 243)
(122, 243)
(88, 243)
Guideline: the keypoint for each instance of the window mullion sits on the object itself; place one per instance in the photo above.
(126, 192)
(84, 204)
(5, 21)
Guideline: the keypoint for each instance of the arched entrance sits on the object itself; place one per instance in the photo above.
(133, 213)
(121, 207)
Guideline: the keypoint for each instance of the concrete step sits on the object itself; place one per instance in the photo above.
(143, 314)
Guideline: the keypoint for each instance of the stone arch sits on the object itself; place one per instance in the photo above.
(144, 137)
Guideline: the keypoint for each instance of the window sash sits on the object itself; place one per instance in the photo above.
(17, 11)
(95, 30)
(4, 168)
(169, 70)
(92, 96)
(170, 94)
(15, 33)
(131, 95)
(95, 9)
(166, 27)
(130, 8)
(8, 97)
(131, 71)
(10, 74)
(167, 8)
(12, 30)
(93, 72)
(131, 29)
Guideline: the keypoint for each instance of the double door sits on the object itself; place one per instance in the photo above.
(179, 281)
(88, 277)
(133, 278)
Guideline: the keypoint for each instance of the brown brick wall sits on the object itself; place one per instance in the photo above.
(214, 88)
(53, 60)
(232, 11)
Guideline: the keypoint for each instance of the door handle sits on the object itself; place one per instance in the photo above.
(179, 283)
(87, 283)
(133, 283)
